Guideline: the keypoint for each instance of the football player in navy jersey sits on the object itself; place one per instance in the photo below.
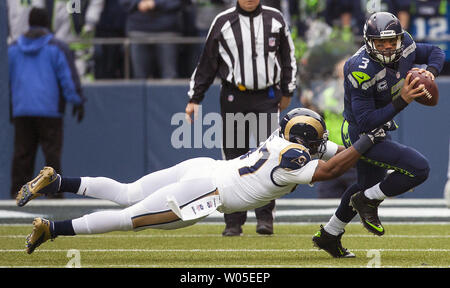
(376, 90)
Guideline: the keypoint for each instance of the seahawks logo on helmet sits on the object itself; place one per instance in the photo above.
(305, 127)
(383, 25)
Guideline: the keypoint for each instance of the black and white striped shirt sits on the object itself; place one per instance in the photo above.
(247, 49)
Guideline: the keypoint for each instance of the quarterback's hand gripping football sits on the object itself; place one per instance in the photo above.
(408, 92)
(426, 72)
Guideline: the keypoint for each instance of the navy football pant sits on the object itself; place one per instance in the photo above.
(410, 167)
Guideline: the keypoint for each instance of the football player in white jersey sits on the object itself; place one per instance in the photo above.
(184, 194)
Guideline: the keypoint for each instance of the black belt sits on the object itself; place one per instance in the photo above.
(242, 88)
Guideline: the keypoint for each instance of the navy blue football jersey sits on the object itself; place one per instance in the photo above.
(371, 86)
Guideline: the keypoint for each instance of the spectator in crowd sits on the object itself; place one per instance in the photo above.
(430, 24)
(156, 20)
(18, 12)
(203, 15)
(73, 21)
(42, 78)
(110, 25)
(329, 102)
(247, 89)
(400, 8)
(343, 16)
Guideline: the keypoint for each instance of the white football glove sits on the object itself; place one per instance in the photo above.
(377, 135)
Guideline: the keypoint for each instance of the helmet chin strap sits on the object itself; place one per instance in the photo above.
(387, 59)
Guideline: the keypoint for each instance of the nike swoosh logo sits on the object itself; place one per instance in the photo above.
(35, 181)
(379, 229)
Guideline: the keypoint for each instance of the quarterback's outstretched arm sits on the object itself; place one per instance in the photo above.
(347, 158)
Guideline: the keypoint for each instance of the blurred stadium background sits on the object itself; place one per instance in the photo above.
(128, 125)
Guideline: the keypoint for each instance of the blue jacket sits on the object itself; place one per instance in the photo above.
(42, 75)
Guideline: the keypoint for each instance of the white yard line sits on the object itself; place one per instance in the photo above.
(213, 250)
(223, 266)
(243, 236)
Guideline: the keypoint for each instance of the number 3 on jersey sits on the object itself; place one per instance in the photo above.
(260, 157)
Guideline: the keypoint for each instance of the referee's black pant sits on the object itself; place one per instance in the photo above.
(264, 105)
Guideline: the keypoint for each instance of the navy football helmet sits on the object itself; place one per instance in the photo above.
(383, 25)
(305, 127)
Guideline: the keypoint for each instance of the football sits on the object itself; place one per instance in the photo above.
(432, 93)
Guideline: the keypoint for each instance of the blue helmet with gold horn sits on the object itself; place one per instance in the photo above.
(305, 127)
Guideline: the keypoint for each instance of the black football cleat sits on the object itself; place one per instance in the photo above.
(331, 244)
(264, 228)
(368, 212)
(231, 231)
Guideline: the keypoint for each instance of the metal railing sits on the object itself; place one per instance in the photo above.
(126, 42)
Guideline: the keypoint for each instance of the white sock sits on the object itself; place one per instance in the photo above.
(102, 222)
(375, 192)
(335, 226)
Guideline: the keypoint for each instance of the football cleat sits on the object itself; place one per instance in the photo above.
(331, 244)
(41, 233)
(368, 212)
(47, 182)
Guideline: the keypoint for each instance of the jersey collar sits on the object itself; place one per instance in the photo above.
(253, 13)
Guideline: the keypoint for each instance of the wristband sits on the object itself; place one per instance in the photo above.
(399, 103)
(363, 144)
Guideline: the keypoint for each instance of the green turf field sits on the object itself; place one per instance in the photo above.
(414, 245)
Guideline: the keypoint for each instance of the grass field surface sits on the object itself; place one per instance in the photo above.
(202, 246)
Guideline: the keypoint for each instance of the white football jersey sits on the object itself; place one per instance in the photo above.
(263, 174)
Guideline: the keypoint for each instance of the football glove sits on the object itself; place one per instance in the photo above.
(377, 135)
(390, 126)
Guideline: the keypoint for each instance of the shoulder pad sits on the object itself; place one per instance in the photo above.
(294, 157)
(362, 72)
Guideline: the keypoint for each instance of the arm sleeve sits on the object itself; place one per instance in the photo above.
(206, 70)
(68, 78)
(365, 112)
(431, 55)
(331, 150)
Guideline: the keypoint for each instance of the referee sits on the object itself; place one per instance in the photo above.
(250, 49)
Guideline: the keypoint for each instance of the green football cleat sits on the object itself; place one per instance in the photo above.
(368, 212)
(47, 182)
(331, 244)
(41, 233)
